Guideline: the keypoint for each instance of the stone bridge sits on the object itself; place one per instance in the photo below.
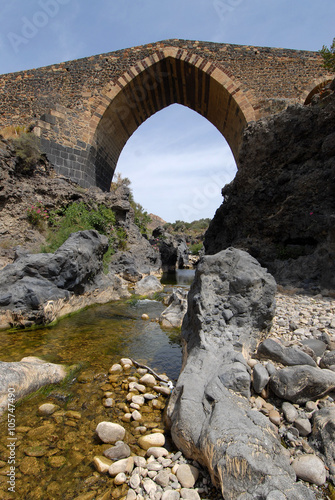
(85, 110)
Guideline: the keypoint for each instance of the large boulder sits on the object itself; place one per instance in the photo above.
(172, 248)
(230, 306)
(323, 436)
(21, 378)
(37, 287)
(302, 383)
(173, 315)
(148, 286)
(280, 206)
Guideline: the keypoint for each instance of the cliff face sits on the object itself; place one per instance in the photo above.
(281, 205)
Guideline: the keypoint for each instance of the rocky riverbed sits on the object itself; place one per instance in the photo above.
(62, 450)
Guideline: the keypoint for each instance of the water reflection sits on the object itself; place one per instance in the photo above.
(98, 337)
(180, 277)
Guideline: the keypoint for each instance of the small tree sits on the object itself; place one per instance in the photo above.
(328, 56)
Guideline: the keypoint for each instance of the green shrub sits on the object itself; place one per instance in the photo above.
(79, 217)
(195, 249)
(27, 149)
(328, 56)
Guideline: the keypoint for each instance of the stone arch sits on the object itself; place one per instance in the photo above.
(166, 77)
(314, 88)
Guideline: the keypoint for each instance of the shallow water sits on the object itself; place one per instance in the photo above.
(99, 336)
(94, 339)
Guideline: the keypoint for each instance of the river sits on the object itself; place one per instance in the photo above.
(91, 340)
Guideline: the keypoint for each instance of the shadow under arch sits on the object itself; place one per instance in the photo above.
(170, 76)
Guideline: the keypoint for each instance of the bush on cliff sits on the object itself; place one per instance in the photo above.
(328, 55)
(28, 152)
(79, 217)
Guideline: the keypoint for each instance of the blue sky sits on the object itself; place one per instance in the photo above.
(176, 160)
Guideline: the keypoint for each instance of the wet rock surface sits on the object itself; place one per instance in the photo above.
(26, 376)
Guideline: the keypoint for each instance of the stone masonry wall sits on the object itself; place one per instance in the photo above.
(66, 102)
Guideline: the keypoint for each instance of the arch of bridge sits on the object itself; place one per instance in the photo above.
(166, 77)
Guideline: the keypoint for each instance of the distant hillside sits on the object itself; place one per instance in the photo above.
(155, 222)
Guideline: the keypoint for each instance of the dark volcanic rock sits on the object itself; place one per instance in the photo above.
(281, 206)
(173, 249)
(302, 383)
(34, 279)
(323, 434)
(173, 315)
(328, 360)
(290, 356)
(230, 306)
(31, 287)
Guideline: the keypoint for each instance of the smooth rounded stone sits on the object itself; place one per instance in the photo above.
(134, 406)
(108, 402)
(151, 440)
(274, 417)
(134, 481)
(260, 377)
(145, 316)
(310, 468)
(155, 466)
(120, 478)
(149, 485)
(36, 450)
(117, 452)
(126, 361)
(142, 371)
(47, 409)
(166, 462)
(116, 368)
(291, 356)
(317, 346)
(303, 425)
(140, 461)
(102, 464)
(163, 478)
(170, 495)
(290, 412)
(148, 380)
(187, 475)
(189, 494)
(157, 451)
(137, 387)
(141, 429)
(127, 367)
(136, 416)
(131, 495)
(165, 391)
(252, 362)
(57, 461)
(138, 400)
(152, 474)
(126, 417)
(109, 432)
(125, 465)
(302, 383)
(311, 406)
(149, 396)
